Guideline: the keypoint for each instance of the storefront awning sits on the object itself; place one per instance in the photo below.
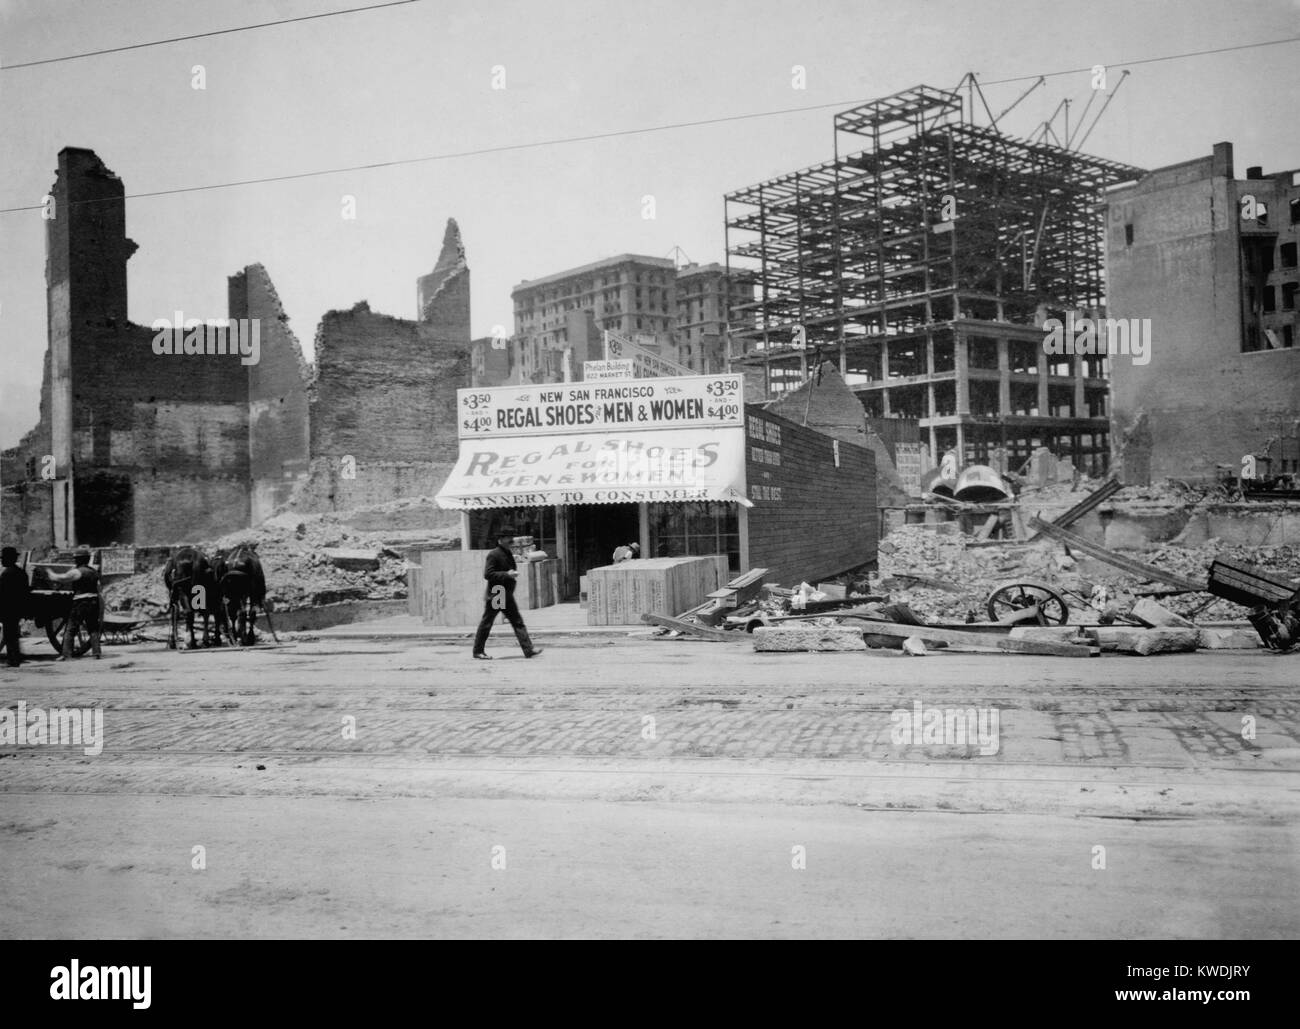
(599, 468)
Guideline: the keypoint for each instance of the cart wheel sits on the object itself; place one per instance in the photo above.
(54, 632)
(174, 617)
(1011, 597)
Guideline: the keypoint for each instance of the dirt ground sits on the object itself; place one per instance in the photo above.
(640, 788)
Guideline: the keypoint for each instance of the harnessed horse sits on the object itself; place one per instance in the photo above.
(192, 586)
(243, 591)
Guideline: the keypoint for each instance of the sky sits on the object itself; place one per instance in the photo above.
(417, 81)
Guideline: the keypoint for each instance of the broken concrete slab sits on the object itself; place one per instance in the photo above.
(1154, 615)
(914, 646)
(788, 639)
(353, 560)
(1229, 639)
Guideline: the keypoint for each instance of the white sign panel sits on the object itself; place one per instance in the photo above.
(685, 402)
(599, 468)
(601, 371)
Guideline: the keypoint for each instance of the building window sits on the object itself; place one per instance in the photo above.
(1128, 234)
(1288, 336)
(1295, 211)
(1288, 252)
(1289, 294)
(1270, 300)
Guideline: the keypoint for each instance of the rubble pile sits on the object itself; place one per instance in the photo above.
(299, 572)
(973, 572)
(970, 572)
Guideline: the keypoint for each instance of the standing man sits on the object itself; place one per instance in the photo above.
(85, 603)
(500, 573)
(13, 603)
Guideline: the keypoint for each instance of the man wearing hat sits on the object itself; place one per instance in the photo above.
(501, 576)
(85, 603)
(13, 603)
(627, 552)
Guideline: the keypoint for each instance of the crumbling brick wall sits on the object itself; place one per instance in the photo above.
(384, 395)
(121, 415)
(279, 437)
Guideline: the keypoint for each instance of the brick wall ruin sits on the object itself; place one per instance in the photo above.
(152, 448)
(383, 400)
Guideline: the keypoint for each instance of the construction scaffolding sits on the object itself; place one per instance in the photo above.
(927, 263)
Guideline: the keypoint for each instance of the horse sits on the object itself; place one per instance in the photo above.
(192, 586)
(243, 591)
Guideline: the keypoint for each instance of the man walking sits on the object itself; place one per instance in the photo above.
(85, 604)
(501, 576)
(13, 603)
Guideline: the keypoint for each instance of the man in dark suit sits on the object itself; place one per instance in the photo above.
(13, 603)
(501, 575)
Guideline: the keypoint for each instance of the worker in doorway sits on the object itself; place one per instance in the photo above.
(13, 603)
(627, 552)
(501, 575)
(85, 603)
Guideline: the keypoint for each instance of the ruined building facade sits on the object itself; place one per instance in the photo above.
(134, 446)
(1211, 260)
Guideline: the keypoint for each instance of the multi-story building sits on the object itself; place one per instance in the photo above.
(707, 299)
(924, 258)
(1211, 261)
(679, 313)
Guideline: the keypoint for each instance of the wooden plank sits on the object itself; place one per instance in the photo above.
(987, 528)
(1107, 489)
(691, 629)
(1135, 568)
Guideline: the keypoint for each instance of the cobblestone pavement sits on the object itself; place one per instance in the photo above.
(241, 746)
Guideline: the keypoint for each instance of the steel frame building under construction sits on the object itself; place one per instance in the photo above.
(924, 262)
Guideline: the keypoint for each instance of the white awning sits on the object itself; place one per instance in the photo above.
(599, 468)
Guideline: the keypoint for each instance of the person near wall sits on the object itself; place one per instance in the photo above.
(85, 603)
(627, 552)
(13, 603)
(501, 574)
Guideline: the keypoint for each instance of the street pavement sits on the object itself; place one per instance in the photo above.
(632, 787)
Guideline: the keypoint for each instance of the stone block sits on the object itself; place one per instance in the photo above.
(779, 639)
(1155, 615)
(1151, 641)
(1229, 639)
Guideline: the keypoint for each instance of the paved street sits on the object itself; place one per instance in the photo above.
(634, 787)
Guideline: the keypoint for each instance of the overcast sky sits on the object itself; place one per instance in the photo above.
(416, 80)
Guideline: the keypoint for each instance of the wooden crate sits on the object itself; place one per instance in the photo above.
(620, 594)
(448, 586)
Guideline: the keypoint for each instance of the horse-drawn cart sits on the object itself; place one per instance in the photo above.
(49, 603)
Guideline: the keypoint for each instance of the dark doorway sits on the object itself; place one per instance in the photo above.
(595, 530)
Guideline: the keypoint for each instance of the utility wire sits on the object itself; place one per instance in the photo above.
(1147, 60)
(203, 35)
(592, 137)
